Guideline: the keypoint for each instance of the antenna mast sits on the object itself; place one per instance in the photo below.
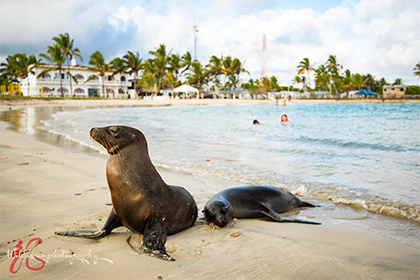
(264, 68)
(195, 42)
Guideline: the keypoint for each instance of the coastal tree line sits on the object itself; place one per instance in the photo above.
(165, 69)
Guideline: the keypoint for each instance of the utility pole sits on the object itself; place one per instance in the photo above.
(195, 42)
(263, 68)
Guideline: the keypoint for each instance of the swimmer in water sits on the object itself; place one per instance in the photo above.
(284, 120)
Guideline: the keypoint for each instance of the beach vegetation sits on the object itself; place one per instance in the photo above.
(19, 66)
(118, 66)
(9, 69)
(99, 65)
(413, 90)
(198, 75)
(133, 63)
(305, 66)
(167, 70)
(416, 69)
(56, 56)
(69, 51)
(397, 82)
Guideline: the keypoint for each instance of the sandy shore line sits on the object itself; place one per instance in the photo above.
(45, 188)
(169, 102)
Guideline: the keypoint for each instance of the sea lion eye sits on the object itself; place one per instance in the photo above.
(113, 131)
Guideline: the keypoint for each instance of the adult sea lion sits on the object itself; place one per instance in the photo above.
(141, 200)
(252, 202)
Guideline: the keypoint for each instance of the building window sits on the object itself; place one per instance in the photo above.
(93, 78)
(79, 78)
(46, 90)
(45, 77)
(63, 76)
(79, 91)
(109, 78)
(63, 90)
(123, 79)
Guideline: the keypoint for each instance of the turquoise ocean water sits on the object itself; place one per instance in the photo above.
(360, 162)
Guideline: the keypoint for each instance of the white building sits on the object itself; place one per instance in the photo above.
(396, 91)
(49, 83)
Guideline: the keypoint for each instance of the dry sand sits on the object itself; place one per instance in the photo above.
(45, 188)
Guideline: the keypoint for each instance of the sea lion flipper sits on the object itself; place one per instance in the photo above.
(283, 219)
(111, 222)
(140, 248)
(154, 239)
(85, 233)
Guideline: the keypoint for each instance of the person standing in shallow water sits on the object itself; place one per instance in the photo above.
(284, 120)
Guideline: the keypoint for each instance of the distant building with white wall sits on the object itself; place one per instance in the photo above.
(49, 83)
(394, 91)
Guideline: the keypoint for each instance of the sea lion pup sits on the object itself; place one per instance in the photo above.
(141, 200)
(252, 202)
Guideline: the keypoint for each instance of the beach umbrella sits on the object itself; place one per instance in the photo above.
(366, 91)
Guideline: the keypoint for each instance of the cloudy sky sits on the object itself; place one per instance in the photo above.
(380, 37)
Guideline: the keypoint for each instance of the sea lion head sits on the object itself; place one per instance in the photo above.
(116, 138)
(217, 212)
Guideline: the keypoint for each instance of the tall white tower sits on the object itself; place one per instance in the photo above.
(264, 68)
(195, 42)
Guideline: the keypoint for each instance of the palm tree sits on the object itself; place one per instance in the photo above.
(238, 67)
(357, 81)
(268, 84)
(9, 68)
(398, 81)
(26, 65)
(171, 80)
(147, 81)
(332, 62)
(118, 66)
(250, 86)
(20, 66)
(198, 75)
(159, 63)
(321, 77)
(68, 49)
(98, 65)
(134, 64)
(216, 69)
(186, 61)
(347, 80)
(54, 55)
(303, 66)
(369, 81)
(230, 65)
(175, 64)
(417, 70)
(297, 80)
(232, 82)
(382, 82)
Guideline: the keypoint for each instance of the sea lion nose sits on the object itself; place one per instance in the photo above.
(92, 131)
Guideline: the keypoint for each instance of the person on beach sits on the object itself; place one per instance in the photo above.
(284, 120)
(256, 122)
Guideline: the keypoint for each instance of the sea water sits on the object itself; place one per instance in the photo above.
(360, 162)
